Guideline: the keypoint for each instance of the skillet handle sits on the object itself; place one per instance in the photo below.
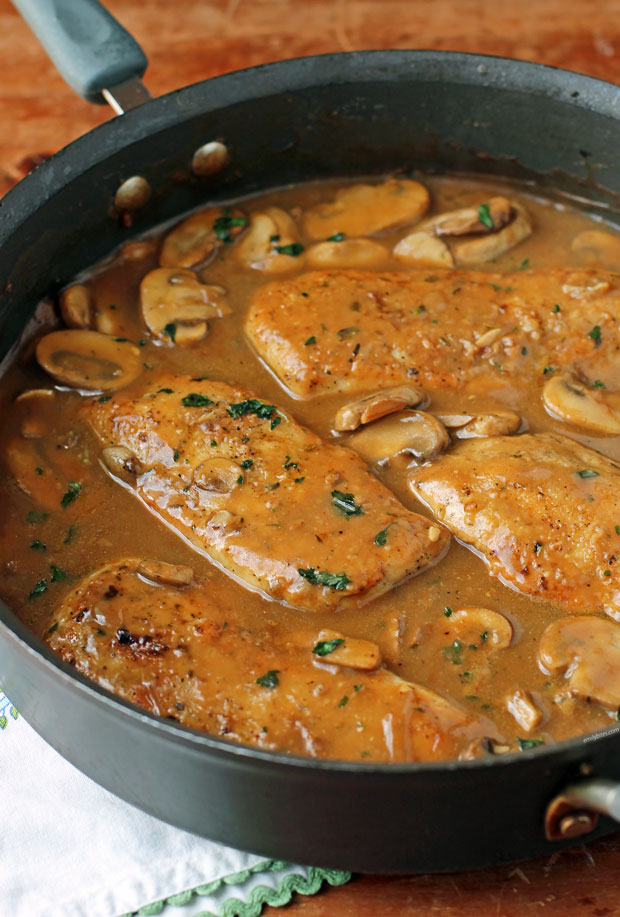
(89, 47)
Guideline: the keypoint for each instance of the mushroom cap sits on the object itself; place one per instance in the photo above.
(471, 623)
(488, 247)
(269, 232)
(424, 250)
(359, 253)
(587, 650)
(352, 652)
(197, 237)
(89, 360)
(371, 407)
(361, 210)
(468, 426)
(407, 433)
(568, 398)
(175, 304)
(466, 221)
(598, 248)
(76, 306)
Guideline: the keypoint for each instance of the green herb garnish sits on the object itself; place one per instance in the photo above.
(269, 679)
(57, 573)
(587, 473)
(325, 647)
(311, 340)
(485, 217)
(38, 546)
(595, 335)
(254, 406)
(194, 400)
(223, 224)
(294, 249)
(72, 494)
(453, 652)
(38, 589)
(170, 330)
(337, 237)
(343, 701)
(347, 332)
(380, 538)
(345, 504)
(247, 463)
(524, 744)
(338, 581)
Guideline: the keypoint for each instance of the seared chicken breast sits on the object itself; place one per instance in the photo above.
(270, 501)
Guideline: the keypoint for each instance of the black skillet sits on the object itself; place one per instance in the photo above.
(337, 115)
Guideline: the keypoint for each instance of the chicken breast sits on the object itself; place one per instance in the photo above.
(543, 510)
(179, 651)
(352, 331)
(268, 500)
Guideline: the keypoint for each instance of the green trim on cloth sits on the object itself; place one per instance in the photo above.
(261, 895)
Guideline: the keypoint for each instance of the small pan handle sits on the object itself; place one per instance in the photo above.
(91, 50)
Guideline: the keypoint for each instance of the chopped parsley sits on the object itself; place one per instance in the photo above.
(453, 652)
(598, 384)
(70, 535)
(38, 546)
(537, 547)
(343, 701)
(556, 308)
(254, 406)
(380, 538)
(345, 504)
(33, 517)
(325, 647)
(338, 581)
(294, 249)
(167, 391)
(223, 224)
(337, 237)
(38, 589)
(525, 263)
(311, 340)
(547, 370)
(299, 480)
(269, 679)
(524, 744)
(587, 473)
(247, 463)
(53, 628)
(195, 400)
(347, 332)
(104, 398)
(240, 479)
(618, 530)
(524, 351)
(57, 573)
(447, 611)
(288, 464)
(170, 330)
(72, 494)
(595, 335)
(38, 469)
(485, 217)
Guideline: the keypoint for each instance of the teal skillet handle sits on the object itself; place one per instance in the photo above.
(90, 49)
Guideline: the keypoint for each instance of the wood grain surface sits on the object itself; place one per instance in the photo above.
(189, 40)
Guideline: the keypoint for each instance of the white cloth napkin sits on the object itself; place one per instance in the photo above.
(68, 848)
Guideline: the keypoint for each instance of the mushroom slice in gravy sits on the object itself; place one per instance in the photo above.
(422, 249)
(361, 210)
(586, 650)
(408, 436)
(542, 509)
(301, 515)
(362, 253)
(89, 360)
(175, 304)
(466, 426)
(488, 247)
(272, 243)
(372, 407)
(197, 238)
(591, 407)
(141, 640)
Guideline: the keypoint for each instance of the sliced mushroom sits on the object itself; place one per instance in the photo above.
(175, 304)
(137, 250)
(197, 237)
(468, 426)
(586, 649)
(424, 250)
(122, 463)
(348, 651)
(481, 627)
(89, 360)
(76, 306)
(34, 406)
(466, 221)
(599, 248)
(272, 243)
(412, 435)
(361, 210)
(219, 475)
(170, 574)
(360, 253)
(521, 705)
(485, 248)
(372, 407)
(41, 470)
(567, 397)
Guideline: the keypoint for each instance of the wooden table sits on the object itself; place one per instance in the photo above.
(189, 40)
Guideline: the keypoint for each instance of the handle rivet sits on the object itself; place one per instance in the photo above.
(132, 194)
(210, 158)
(577, 824)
